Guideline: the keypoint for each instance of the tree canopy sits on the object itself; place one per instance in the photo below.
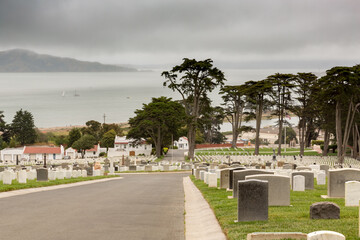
(157, 120)
(23, 127)
(193, 80)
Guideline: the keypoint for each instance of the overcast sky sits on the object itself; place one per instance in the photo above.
(236, 33)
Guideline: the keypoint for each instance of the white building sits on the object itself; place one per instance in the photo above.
(182, 143)
(128, 147)
(42, 152)
(93, 152)
(9, 155)
(72, 153)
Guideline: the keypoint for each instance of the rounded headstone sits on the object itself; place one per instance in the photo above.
(324, 210)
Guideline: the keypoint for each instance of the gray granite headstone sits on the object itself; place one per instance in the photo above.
(42, 175)
(241, 174)
(148, 168)
(224, 178)
(89, 171)
(166, 168)
(325, 168)
(337, 179)
(127, 162)
(132, 168)
(279, 188)
(231, 175)
(252, 200)
(324, 210)
(309, 178)
(2, 169)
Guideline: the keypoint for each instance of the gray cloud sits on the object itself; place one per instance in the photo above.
(161, 31)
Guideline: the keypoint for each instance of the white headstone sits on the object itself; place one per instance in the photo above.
(52, 175)
(352, 193)
(202, 175)
(7, 177)
(96, 173)
(325, 235)
(206, 177)
(212, 179)
(111, 170)
(22, 176)
(68, 174)
(321, 178)
(84, 173)
(298, 183)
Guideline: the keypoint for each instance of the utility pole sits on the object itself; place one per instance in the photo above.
(285, 138)
(104, 117)
(172, 148)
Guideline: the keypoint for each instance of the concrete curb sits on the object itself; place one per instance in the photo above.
(55, 187)
(200, 221)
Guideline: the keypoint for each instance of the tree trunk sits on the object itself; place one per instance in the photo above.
(281, 119)
(302, 137)
(158, 144)
(355, 140)
(326, 143)
(259, 111)
(191, 138)
(339, 133)
(234, 136)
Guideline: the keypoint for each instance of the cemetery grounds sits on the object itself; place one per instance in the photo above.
(293, 218)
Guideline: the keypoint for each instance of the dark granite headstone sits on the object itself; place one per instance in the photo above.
(241, 174)
(2, 169)
(42, 174)
(252, 200)
(89, 170)
(231, 175)
(132, 168)
(324, 210)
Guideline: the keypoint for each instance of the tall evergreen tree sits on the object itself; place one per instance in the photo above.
(193, 80)
(281, 97)
(23, 127)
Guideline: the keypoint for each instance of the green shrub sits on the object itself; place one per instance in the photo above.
(317, 142)
(102, 154)
(165, 150)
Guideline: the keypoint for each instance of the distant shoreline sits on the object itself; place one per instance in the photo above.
(63, 129)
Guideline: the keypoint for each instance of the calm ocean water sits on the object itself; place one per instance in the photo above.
(50, 97)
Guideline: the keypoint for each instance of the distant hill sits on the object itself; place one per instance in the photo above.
(20, 60)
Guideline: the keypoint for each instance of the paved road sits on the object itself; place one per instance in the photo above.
(138, 206)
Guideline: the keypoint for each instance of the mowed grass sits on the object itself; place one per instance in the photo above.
(295, 218)
(263, 151)
(34, 184)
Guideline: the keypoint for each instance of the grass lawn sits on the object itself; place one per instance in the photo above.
(34, 184)
(263, 151)
(295, 218)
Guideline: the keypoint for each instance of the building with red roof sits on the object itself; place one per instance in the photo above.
(43, 152)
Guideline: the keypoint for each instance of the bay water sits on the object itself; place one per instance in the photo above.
(67, 99)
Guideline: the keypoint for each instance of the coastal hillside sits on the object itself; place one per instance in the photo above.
(20, 60)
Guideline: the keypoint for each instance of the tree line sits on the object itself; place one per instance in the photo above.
(22, 131)
(329, 103)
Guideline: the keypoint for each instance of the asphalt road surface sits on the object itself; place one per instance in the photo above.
(139, 206)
